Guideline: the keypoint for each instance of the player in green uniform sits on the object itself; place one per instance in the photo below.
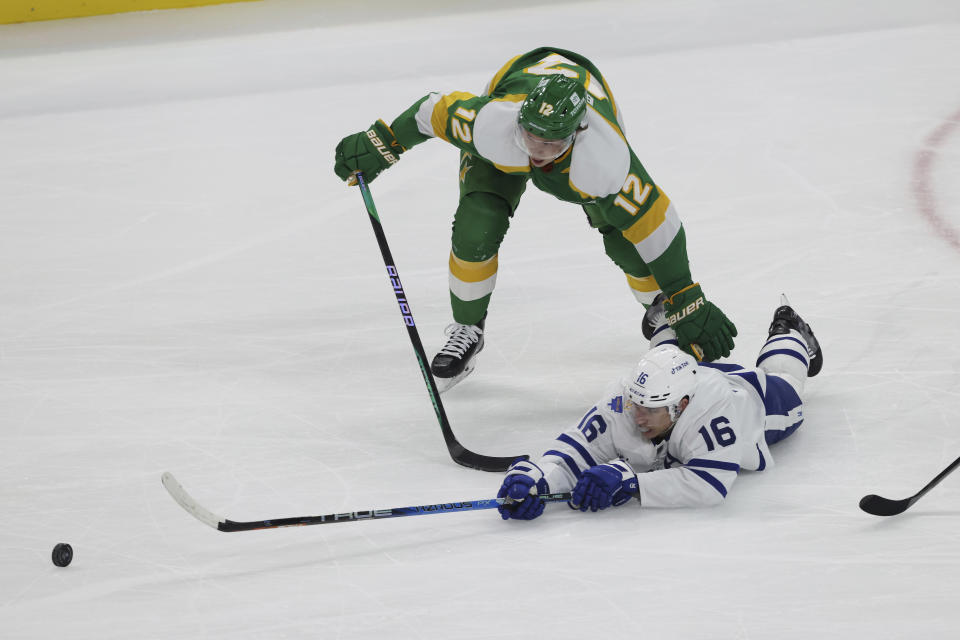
(547, 116)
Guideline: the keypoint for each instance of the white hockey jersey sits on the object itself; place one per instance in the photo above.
(720, 433)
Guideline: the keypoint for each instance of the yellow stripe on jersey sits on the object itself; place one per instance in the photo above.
(614, 125)
(472, 280)
(650, 221)
(507, 169)
(658, 240)
(613, 103)
(498, 76)
(472, 271)
(512, 97)
(441, 112)
(582, 194)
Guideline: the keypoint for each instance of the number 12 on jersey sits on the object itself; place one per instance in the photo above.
(633, 194)
(460, 124)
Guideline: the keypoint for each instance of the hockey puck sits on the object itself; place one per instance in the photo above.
(62, 554)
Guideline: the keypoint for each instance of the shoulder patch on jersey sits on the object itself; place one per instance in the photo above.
(616, 404)
(601, 159)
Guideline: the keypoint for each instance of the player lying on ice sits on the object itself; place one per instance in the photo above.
(676, 432)
(547, 117)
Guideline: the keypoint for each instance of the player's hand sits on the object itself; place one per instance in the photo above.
(702, 329)
(369, 151)
(521, 486)
(604, 485)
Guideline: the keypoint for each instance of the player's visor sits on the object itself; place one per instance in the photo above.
(541, 148)
(634, 410)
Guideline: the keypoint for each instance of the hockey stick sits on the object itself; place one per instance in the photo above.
(207, 517)
(458, 452)
(880, 506)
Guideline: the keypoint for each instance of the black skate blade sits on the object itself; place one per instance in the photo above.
(445, 384)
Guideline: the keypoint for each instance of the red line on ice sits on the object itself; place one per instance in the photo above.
(922, 186)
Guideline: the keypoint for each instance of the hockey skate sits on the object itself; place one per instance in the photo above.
(785, 319)
(458, 358)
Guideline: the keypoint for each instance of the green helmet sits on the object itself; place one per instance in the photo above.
(555, 108)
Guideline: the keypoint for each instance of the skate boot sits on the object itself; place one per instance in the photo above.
(457, 359)
(785, 319)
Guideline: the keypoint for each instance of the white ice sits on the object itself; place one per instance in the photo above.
(186, 286)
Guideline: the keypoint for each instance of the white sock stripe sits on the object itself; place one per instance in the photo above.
(785, 355)
(792, 343)
(793, 336)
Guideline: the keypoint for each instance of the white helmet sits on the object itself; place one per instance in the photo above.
(662, 378)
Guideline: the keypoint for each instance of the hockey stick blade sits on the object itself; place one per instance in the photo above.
(207, 517)
(185, 500)
(460, 454)
(880, 506)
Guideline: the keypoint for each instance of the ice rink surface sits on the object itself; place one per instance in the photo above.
(186, 286)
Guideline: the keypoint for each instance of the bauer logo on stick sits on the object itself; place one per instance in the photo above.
(401, 296)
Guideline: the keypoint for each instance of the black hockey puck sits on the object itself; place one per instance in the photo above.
(62, 554)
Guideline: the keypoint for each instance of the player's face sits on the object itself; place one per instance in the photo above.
(652, 423)
(541, 150)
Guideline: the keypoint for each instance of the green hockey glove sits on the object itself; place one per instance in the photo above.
(370, 151)
(702, 329)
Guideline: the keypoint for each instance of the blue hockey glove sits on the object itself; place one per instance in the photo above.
(604, 485)
(520, 488)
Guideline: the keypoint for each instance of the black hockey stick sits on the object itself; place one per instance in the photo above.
(880, 506)
(207, 517)
(458, 452)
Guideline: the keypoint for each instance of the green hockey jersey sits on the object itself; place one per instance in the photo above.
(599, 171)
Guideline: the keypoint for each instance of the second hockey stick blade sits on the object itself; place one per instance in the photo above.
(880, 506)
